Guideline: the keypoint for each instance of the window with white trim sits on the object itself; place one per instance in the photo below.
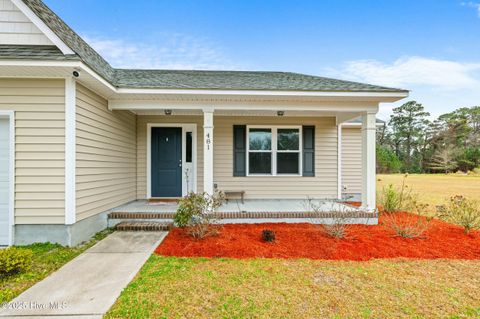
(274, 150)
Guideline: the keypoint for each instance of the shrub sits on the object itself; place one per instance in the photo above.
(337, 229)
(14, 260)
(196, 212)
(474, 172)
(461, 211)
(395, 199)
(340, 219)
(389, 199)
(268, 235)
(406, 226)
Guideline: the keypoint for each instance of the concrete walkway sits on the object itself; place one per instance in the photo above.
(88, 286)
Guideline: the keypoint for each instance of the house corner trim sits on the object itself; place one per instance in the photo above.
(70, 151)
(339, 161)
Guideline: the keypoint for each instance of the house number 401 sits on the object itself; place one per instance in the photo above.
(208, 140)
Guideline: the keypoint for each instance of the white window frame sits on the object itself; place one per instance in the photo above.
(274, 151)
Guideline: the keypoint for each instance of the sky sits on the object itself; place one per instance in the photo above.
(430, 47)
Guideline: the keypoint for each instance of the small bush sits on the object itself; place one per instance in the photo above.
(406, 226)
(340, 218)
(337, 229)
(474, 172)
(395, 199)
(14, 260)
(461, 211)
(390, 199)
(268, 235)
(196, 212)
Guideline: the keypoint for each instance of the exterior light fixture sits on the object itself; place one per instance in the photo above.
(168, 112)
(280, 113)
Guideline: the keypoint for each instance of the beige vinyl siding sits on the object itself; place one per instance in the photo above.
(106, 155)
(352, 159)
(142, 122)
(16, 28)
(322, 185)
(39, 107)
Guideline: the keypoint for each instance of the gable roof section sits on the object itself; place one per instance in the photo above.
(17, 28)
(88, 55)
(176, 79)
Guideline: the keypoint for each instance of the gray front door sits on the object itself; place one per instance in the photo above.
(166, 162)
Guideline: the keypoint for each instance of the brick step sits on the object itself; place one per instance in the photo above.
(143, 226)
(242, 215)
(139, 215)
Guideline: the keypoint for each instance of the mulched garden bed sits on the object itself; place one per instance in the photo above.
(442, 240)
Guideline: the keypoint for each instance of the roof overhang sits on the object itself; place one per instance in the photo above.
(135, 99)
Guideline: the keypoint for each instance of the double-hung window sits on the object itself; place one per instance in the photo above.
(274, 150)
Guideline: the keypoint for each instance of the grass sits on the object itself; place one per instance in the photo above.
(435, 189)
(171, 287)
(47, 258)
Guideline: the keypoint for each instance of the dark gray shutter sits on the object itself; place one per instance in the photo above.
(239, 150)
(308, 151)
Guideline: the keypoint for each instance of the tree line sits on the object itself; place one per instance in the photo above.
(412, 143)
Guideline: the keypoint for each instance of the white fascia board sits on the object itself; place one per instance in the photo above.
(78, 65)
(42, 26)
(146, 105)
(264, 93)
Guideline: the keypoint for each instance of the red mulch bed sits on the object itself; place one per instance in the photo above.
(442, 240)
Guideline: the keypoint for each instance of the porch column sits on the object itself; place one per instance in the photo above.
(368, 161)
(208, 150)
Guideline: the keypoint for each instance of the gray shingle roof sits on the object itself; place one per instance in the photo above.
(178, 79)
(237, 80)
(36, 52)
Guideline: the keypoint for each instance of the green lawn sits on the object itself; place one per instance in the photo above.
(169, 287)
(46, 259)
(435, 189)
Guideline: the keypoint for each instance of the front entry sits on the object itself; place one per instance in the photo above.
(166, 161)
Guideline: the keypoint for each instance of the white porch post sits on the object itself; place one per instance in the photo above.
(208, 150)
(368, 161)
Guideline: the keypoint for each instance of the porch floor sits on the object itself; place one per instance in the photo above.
(236, 206)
